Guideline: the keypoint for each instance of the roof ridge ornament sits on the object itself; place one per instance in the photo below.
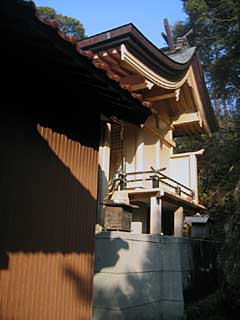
(169, 37)
(181, 42)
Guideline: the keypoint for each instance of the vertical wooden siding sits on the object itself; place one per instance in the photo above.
(48, 191)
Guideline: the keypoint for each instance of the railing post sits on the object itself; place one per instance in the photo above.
(178, 190)
(123, 181)
(155, 181)
(122, 185)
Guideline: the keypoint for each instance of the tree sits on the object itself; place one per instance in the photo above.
(70, 26)
(216, 33)
(216, 27)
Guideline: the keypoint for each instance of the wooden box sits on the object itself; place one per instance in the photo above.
(117, 218)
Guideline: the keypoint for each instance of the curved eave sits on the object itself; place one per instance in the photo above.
(157, 78)
(139, 46)
(124, 53)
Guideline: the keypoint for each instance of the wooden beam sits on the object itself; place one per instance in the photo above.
(101, 65)
(158, 134)
(119, 70)
(109, 58)
(142, 85)
(138, 96)
(147, 104)
(174, 94)
(133, 79)
(188, 118)
(115, 53)
(97, 58)
(169, 35)
(113, 76)
(136, 82)
(85, 53)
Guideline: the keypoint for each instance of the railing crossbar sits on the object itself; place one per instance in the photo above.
(162, 177)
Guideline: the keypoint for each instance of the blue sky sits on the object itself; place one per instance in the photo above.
(98, 16)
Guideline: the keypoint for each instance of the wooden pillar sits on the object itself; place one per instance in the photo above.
(194, 176)
(178, 222)
(104, 166)
(155, 215)
(158, 150)
(139, 156)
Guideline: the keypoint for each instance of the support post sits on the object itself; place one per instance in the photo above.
(158, 150)
(155, 215)
(178, 222)
(140, 157)
(194, 176)
(104, 166)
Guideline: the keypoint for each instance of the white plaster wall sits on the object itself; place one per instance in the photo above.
(149, 156)
(165, 157)
(180, 170)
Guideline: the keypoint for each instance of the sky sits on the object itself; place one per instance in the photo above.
(98, 16)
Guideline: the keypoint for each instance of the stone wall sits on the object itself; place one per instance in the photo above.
(141, 276)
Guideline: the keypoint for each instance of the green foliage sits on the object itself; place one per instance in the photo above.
(230, 257)
(224, 304)
(70, 26)
(216, 26)
(47, 12)
(216, 33)
(219, 169)
(219, 191)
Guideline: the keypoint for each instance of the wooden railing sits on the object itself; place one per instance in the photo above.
(157, 178)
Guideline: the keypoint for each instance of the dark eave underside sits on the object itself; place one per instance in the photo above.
(39, 67)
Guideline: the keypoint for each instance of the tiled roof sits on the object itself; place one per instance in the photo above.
(183, 55)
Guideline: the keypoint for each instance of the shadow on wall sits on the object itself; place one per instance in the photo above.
(41, 200)
(48, 204)
(149, 277)
(115, 245)
(140, 285)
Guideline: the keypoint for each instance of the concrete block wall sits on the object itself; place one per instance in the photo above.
(141, 276)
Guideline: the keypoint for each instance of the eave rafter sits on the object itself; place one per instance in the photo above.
(150, 88)
(110, 61)
(136, 82)
(175, 95)
(131, 78)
